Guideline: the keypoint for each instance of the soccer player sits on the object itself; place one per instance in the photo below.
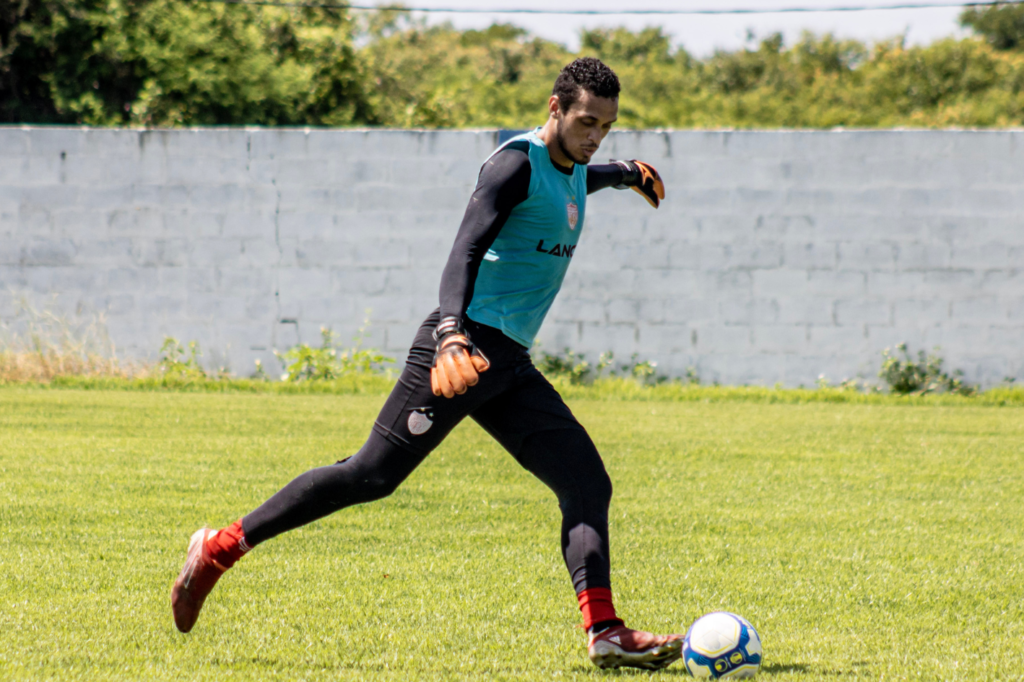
(471, 358)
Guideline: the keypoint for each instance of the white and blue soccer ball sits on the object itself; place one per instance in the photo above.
(722, 645)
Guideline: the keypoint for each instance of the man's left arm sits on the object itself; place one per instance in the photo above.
(637, 175)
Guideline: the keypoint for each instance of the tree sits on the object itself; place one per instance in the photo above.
(216, 64)
(177, 62)
(190, 62)
(1002, 25)
(55, 66)
(622, 45)
(439, 77)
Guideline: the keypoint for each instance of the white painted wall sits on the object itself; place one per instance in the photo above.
(778, 256)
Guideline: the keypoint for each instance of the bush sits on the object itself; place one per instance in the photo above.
(305, 363)
(572, 367)
(909, 377)
(177, 364)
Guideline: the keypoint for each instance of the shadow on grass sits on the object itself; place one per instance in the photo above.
(633, 672)
(589, 669)
(781, 668)
(677, 670)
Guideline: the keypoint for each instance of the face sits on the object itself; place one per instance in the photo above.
(580, 130)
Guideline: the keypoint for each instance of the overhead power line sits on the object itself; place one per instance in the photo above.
(630, 12)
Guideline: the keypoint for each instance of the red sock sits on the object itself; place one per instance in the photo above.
(596, 606)
(228, 545)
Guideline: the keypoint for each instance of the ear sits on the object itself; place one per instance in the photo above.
(553, 106)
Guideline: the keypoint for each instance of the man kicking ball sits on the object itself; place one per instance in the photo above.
(471, 358)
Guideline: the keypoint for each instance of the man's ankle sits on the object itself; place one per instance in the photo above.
(227, 545)
(596, 607)
(598, 628)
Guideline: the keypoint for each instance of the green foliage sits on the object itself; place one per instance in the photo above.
(644, 371)
(302, 363)
(1002, 24)
(823, 82)
(259, 373)
(212, 64)
(573, 368)
(330, 370)
(56, 65)
(648, 47)
(326, 363)
(438, 77)
(569, 366)
(178, 364)
(907, 376)
(904, 376)
(306, 362)
(188, 62)
(177, 62)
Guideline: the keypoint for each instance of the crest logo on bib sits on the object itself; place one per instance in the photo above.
(574, 214)
(420, 420)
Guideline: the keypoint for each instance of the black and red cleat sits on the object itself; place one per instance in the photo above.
(195, 582)
(619, 646)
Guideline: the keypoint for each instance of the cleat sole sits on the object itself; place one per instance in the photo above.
(608, 656)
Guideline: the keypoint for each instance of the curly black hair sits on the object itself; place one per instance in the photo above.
(586, 73)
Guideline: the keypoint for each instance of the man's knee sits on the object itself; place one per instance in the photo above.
(376, 471)
(569, 463)
(602, 487)
(358, 483)
(592, 494)
(591, 477)
(377, 486)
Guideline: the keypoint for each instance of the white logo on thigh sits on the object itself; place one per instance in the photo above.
(419, 421)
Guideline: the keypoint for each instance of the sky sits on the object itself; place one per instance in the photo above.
(702, 35)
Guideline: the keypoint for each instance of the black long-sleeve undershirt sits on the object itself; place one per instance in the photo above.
(600, 176)
(503, 184)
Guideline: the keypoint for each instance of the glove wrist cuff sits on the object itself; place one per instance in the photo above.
(448, 326)
(630, 174)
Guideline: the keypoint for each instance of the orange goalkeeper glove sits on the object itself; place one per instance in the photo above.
(457, 362)
(643, 178)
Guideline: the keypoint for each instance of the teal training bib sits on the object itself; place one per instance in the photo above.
(524, 268)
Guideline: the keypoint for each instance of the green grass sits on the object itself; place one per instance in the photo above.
(863, 540)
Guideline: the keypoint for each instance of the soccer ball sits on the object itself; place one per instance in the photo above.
(722, 644)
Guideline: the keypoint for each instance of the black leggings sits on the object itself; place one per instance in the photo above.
(514, 403)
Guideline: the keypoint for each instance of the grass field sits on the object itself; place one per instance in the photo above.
(864, 541)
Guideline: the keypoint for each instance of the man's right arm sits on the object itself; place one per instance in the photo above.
(504, 183)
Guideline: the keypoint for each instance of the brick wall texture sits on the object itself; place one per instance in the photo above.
(777, 256)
